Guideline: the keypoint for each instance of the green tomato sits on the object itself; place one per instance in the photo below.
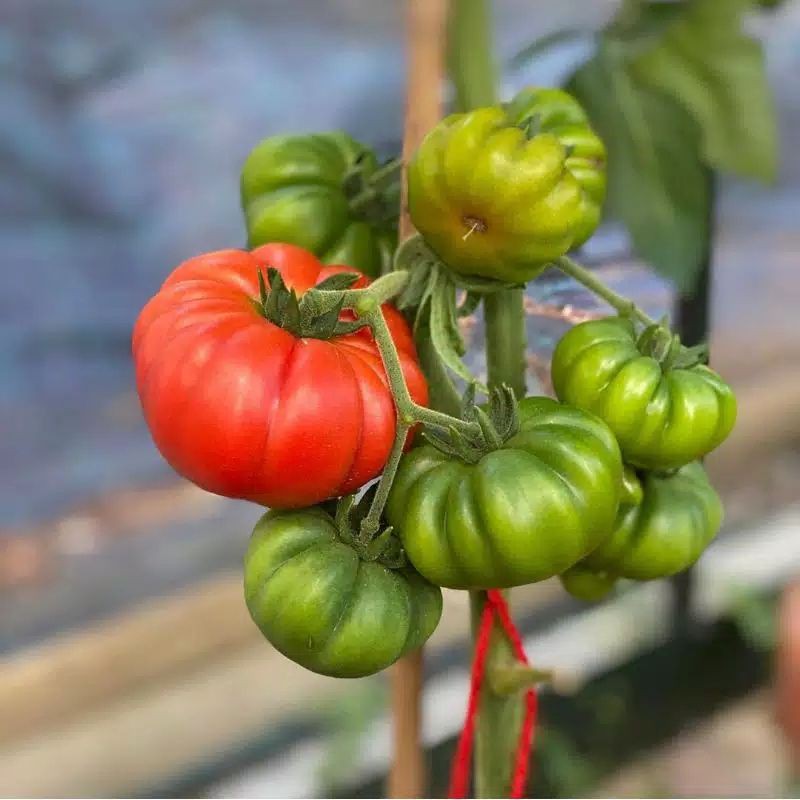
(662, 417)
(676, 520)
(295, 189)
(587, 585)
(522, 513)
(500, 192)
(557, 112)
(324, 607)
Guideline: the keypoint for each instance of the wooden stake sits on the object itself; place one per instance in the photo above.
(426, 31)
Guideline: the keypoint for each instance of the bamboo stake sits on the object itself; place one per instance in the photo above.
(426, 34)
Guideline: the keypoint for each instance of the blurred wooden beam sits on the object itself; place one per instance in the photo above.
(84, 670)
(163, 732)
(426, 23)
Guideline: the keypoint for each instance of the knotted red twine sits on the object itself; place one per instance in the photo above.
(495, 607)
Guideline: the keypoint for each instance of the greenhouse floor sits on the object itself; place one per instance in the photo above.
(736, 753)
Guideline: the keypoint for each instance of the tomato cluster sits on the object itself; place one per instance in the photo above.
(268, 376)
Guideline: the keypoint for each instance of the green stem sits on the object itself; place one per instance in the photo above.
(408, 411)
(377, 293)
(499, 715)
(367, 303)
(371, 524)
(622, 304)
(362, 200)
(469, 54)
(373, 188)
(505, 339)
(443, 394)
(386, 171)
(473, 72)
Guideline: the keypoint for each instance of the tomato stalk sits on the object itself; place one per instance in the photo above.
(408, 411)
(378, 186)
(371, 524)
(583, 276)
(367, 305)
(500, 714)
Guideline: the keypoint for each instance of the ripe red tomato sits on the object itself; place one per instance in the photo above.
(245, 409)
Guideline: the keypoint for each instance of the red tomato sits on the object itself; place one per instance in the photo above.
(245, 409)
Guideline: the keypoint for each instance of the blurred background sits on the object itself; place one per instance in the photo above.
(128, 665)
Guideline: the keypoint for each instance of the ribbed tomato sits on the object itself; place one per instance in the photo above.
(245, 409)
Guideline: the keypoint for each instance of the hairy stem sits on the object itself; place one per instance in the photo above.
(372, 522)
(408, 411)
(500, 715)
(584, 276)
(505, 339)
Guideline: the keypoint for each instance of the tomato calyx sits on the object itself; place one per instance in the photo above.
(491, 427)
(373, 193)
(431, 296)
(660, 343)
(313, 315)
(384, 547)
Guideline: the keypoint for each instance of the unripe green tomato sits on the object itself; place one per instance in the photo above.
(522, 513)
(294, 190)
(500, 192)
(586, 584)
(324, 607)
(666, 533)
(559, 113)
(662, 417)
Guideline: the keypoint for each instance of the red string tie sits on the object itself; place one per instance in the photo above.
(495, 607)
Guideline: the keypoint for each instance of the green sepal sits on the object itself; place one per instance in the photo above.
(658, 342)
(493, 426)
(468, 305)
(385, 547)
(339, 281)
(314, 315)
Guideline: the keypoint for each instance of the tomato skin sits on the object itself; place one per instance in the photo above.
(244, 409)
(560, 114)
(587, 585)
(662, 419)
(667, 532)
(322, 606)
(523, 513)
(495, 203)
(292, 191)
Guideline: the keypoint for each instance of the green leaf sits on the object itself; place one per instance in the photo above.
(468, 305)
(474, 283)
(707, 63)
(547, 42)
(445, 335)
(657, 183)
(418, 259)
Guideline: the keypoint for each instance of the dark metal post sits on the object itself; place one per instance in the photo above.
(692, 321)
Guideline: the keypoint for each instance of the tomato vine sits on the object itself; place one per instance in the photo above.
(268, 376)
